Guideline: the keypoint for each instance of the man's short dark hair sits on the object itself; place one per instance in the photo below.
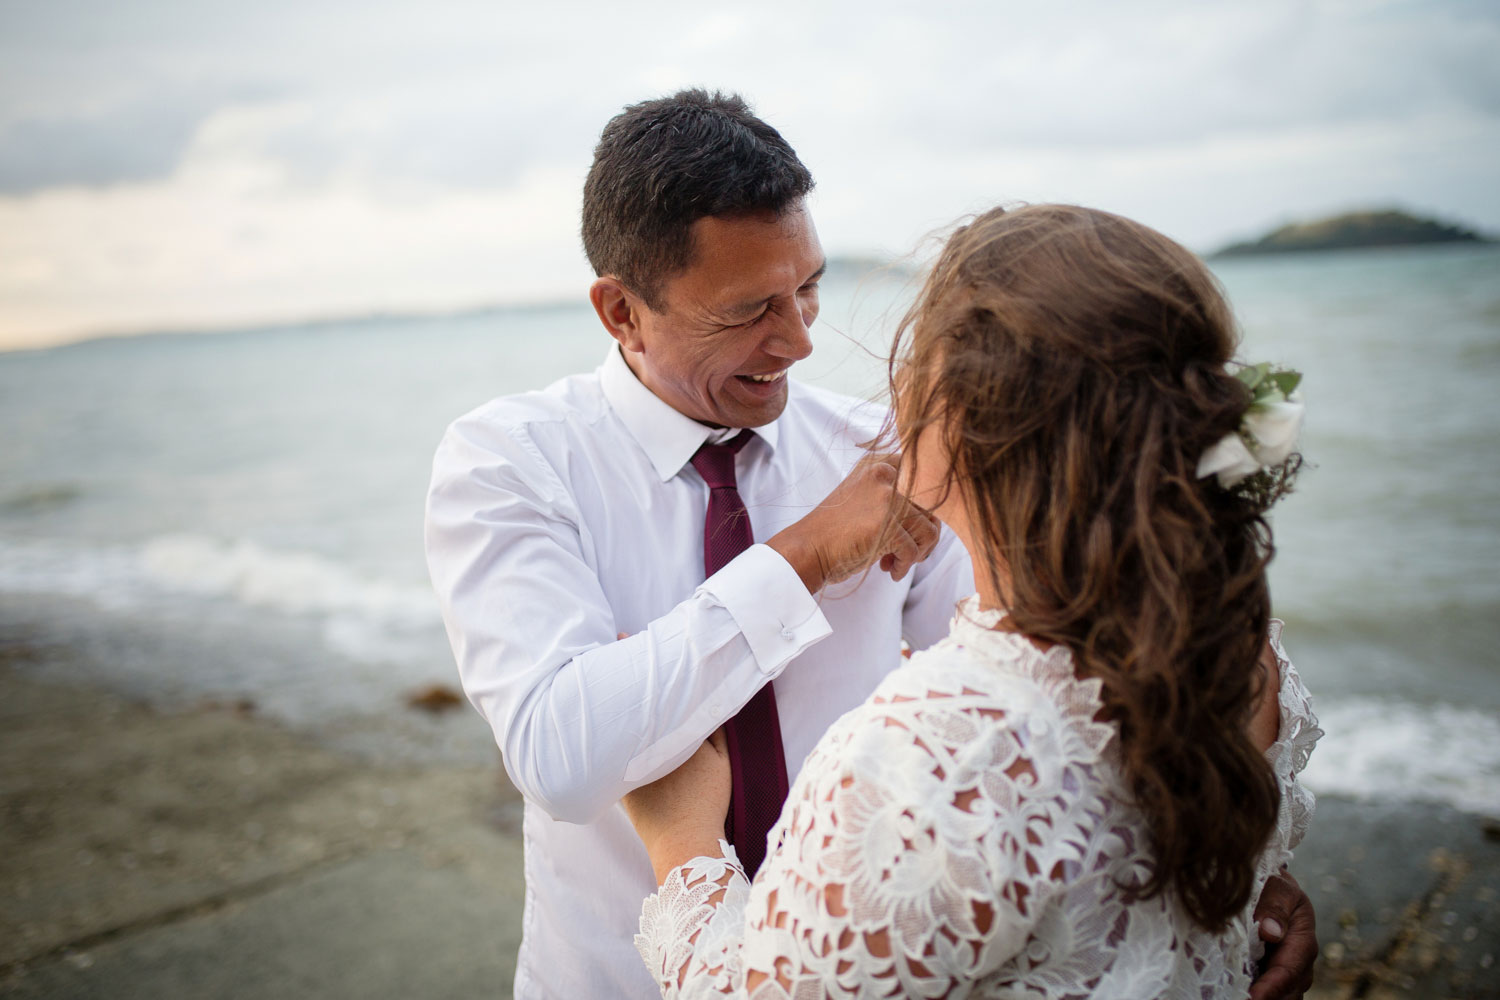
(662, 165)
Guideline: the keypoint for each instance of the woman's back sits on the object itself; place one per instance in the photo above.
(966, 829)
(1069, 405)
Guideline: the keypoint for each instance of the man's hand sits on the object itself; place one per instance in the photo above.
(1284, 916)
(854, 528)
(681, 816)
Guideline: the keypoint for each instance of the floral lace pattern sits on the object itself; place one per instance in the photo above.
(963, 833)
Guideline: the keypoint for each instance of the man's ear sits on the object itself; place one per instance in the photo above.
(619, 311)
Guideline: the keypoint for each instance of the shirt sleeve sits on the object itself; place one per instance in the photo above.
(581, 717)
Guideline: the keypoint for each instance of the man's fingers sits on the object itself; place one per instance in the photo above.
(904, 553)
(1284, 916)
(1274, 908)
(1278, 983)
(924, 529)
(911, 541)
(1274, 984)
(864, 523)
(1287, 971)
(1284, 919)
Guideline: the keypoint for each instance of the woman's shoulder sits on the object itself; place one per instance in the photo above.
(978, 686)
(1299, 731)
(982, 660)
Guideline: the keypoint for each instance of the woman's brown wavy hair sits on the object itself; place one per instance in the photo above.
(1075, 363)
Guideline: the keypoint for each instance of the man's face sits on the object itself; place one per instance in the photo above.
(734, 321)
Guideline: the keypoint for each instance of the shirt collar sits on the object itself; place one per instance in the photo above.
(668, 437)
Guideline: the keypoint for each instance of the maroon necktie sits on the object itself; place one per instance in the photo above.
(756, 759)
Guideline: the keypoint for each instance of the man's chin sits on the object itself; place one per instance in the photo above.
(762, 413)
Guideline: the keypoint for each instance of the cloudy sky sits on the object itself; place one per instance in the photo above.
(188, 164)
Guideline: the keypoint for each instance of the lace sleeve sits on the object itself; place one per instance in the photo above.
(1288, 756)
(691, 928)
(908, 860)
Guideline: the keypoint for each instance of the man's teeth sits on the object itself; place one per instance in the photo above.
(765, 378)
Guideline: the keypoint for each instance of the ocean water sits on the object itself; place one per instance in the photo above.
(238, 515)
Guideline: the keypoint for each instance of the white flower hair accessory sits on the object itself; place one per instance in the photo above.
(1268, 431)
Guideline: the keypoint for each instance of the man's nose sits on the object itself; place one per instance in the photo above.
(791, 338)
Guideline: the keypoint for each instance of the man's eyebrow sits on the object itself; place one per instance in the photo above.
(750, 306)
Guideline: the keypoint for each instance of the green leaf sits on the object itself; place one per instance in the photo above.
(1252, 375)
(1287, 381)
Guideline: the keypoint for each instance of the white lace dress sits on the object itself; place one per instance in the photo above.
(963, 834)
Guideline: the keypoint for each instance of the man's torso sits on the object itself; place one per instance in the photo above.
(643, 539)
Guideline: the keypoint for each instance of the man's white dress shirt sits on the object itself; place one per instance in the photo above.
(558, 519)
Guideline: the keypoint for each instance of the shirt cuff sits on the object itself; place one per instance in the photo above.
(774, 611)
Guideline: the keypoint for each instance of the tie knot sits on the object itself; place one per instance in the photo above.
(715, 462)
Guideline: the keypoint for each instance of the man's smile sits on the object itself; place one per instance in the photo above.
(766, 377)
(764, 386)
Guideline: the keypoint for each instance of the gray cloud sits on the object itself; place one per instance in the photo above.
(472, 94)
(1132, 76)
(465, 138)
(137, 143)
(94, 92)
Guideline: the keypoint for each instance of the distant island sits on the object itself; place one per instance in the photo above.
(852, 267)
(1355, 229)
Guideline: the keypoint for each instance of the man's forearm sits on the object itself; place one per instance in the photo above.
(578, 735)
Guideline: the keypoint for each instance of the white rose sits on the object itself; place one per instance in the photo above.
(1229, 459)
(1274, 428)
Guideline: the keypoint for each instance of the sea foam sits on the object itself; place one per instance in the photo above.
(290, 582)
(1374, 748)
(363, 617)
(1388, 749)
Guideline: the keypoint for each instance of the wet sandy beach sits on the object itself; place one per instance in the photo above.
(204, 851)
